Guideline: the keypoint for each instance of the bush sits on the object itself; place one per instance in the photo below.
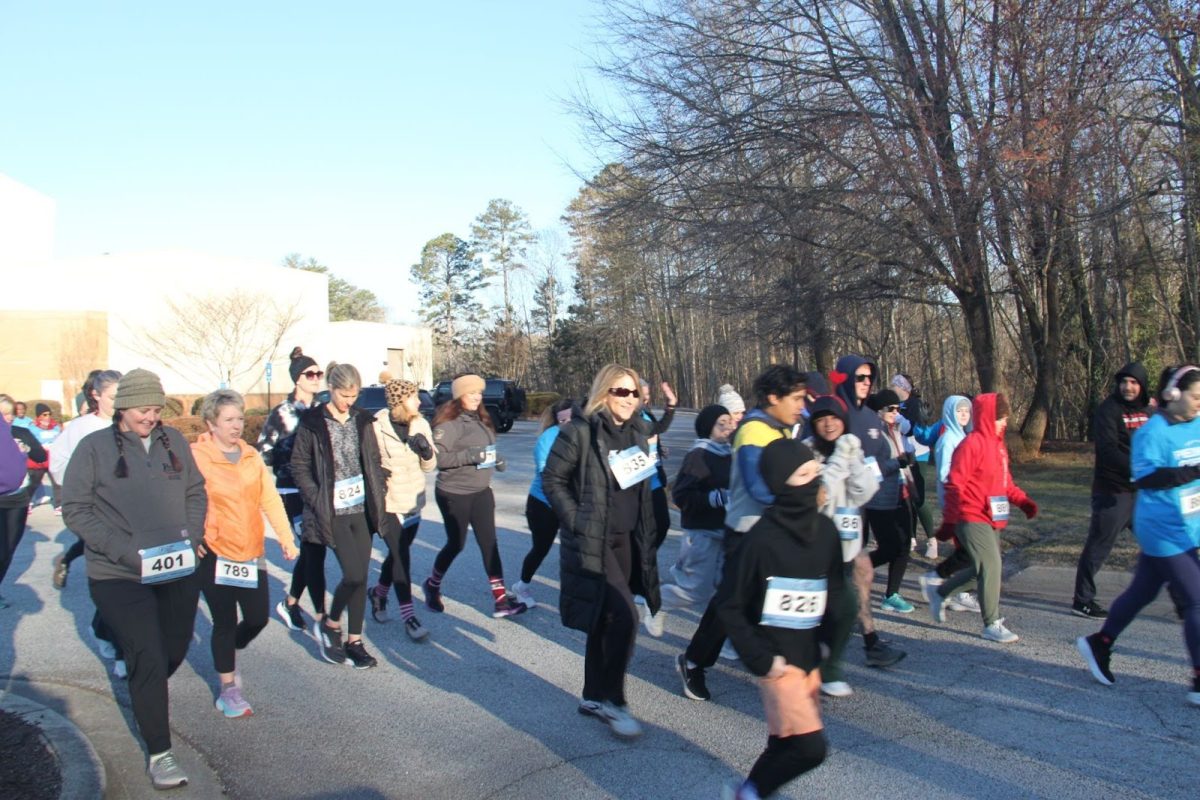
(537, 402)
(173, 408)
(199, 401)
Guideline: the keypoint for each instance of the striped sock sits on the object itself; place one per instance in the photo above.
(435, 579)
(498, 592)
(406, 611)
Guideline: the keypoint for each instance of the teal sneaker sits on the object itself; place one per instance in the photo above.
(894, 602)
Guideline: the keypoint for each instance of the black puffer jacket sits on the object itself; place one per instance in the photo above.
(312, 470)
(578, 482)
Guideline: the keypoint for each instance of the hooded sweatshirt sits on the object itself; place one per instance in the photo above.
(866, 425)
(748, 492)
(785, 585)
(849, 484)
(979, 471)
(1114, 424)
(948, 442)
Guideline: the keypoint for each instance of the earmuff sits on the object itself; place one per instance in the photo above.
(1171, 393)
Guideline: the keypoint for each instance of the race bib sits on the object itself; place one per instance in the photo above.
(873, 465)
(1189, 501)
(489, 457)
(167, 562)
(630, 466)
(349, 492)
(795, 603)
(242, 574)
(848, 522)
(999, 508)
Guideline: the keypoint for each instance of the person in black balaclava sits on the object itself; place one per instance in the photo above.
(1113, 491)
(778, 601)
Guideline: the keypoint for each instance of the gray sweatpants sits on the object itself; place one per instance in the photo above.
(982, 543)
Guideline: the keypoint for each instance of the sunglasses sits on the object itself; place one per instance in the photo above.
(863, 378)
(891, 408)
(619, 391)
(313, 374)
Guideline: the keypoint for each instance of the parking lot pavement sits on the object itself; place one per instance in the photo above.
(486, 708)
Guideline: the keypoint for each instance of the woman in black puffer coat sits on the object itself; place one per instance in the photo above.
(596, 482)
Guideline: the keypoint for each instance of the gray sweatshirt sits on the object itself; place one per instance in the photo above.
(460, 444)
(153, 506)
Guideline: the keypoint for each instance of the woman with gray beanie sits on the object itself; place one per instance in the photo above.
(133, 493)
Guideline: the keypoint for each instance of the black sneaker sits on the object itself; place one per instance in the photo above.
(358, 655)
(433, 596)
(504, 608)
(882, 654)
(694, 686)
(1092, 610)
(1096, 654)
(291, 615)
(330, 642)
(59, 578)
(378, 605)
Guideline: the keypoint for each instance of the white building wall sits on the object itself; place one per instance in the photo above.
(367, 345)
(26, 224)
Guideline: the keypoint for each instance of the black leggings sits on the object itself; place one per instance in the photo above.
(12, 529)
(73, 552)
(543, 527)
(785, 759)
(479, 512)
(397, 567)
(892, 529)
(229, 635)
(153, 625)
(662, 515)
(610, 641)
(958, 560)
(309, 570)
(352, 546)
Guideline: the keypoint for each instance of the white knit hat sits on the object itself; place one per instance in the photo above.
(727, 396)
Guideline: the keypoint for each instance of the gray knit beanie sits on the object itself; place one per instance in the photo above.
(138, 388)
(727, 396)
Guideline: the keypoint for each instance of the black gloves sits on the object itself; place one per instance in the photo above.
(421, 446)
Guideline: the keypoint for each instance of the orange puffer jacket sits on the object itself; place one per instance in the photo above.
(238, 494)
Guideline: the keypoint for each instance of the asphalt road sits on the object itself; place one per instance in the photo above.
(486, 708)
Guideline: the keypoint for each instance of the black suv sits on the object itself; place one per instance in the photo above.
(372, 399)
(503, 399)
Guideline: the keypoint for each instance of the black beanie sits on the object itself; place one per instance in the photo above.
(828, 405)
(300, 363)
(41, 408)
(779, 460)
(706, 420)
(885, 398)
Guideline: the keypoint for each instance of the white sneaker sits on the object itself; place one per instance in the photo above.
(964, 601)
(674, 598)
(619, 720)
(836, 689)
(931, 548)
(653, 622)
(524, 594)
(119, 669)
(996, 632)
(165, 772)
(728, 651)
(930, 578)
(935, 600)
(104, 648)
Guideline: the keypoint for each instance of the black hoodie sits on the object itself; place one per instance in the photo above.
(1113, 425)
(794, 550)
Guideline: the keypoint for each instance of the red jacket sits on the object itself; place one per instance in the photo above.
(979, 471)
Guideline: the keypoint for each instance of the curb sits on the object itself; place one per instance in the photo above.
(82, 771)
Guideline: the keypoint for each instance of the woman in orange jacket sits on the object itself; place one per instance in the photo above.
(232, 566)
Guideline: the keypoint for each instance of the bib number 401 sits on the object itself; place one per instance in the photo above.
(167, 562)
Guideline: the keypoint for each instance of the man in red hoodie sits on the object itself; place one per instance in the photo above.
(979, 491)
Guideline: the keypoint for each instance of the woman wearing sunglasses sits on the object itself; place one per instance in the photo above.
(596, 479)
(891, 512)
(275, 444)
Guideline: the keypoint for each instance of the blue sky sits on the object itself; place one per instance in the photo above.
(352, 133)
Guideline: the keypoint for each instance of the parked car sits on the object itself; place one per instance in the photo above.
(372, 398)
(503, 399)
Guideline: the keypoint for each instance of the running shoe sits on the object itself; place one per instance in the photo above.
(1097, 655)
(505, 608)
(523, 592)
(358, 655)
(894, 602)
(59, 576)
(433, 596)
(330, 643)
(674, 598)
(930, 578)
(165, 772)
(119, 669)
(232, 704)
(694, 685)
(105, 648)
(1092, 610)
(619, 720)
(931, 549)
(291, 615)
(964, 601)
(882, 654)
(836, 689)
(415, 630)
(379, 602)
(996, 632)
(653, 622)
(935, 600)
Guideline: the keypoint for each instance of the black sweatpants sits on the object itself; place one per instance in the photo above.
(1111, 514)
(543, 527)
(229, 635)
(153, 625)
(785, 759)
(397, 566)
(705, 646)
(309, 569)
(352, 546)
(478, 511)
(892, 529)
(12, 528)
(610, 641)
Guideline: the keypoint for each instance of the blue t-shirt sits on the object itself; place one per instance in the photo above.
(541, 452)
(1166, 521)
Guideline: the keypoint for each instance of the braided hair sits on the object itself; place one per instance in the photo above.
(122, 470)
